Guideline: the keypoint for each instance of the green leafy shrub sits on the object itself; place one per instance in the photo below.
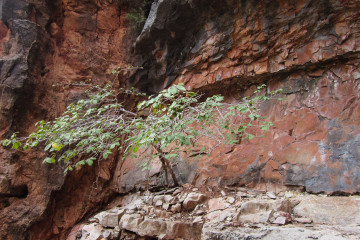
(91, 127)
(171, 122)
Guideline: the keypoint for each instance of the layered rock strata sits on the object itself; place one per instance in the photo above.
(234, 213)
(308, 48)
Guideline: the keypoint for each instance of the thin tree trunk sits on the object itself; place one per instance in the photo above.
(166, 162)
(176, 183)
(165, 171)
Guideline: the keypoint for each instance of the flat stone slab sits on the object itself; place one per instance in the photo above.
(330, 210)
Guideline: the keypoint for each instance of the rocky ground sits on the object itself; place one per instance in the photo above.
(229, 213)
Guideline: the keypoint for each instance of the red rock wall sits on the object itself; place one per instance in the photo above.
(45, 46)
(309, 48)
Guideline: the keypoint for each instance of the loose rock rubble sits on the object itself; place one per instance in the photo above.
(238, 213)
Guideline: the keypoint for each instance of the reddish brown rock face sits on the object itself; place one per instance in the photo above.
(46, 43)
(308, 48)
(314, 142)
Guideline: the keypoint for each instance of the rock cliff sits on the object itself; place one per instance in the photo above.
(308, 48)
(48, 48)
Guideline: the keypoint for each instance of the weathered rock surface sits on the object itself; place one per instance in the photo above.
(334, 210)
(192, 200)
(248, 217)
(47, 48)
(25, 187)
(310, 49)
(212, 231)
(96, 231)
(160, 228)
(109, 219)
(260, 211)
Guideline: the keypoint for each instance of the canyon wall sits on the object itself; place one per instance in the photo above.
(308, 48)
(48, 50)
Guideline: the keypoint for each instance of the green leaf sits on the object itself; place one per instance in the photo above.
(112, 146)
(170, 156)
(16, 145)
(135, 149)
(47, 147)
(56, 146)
(240, 129)
(90, 161)
(254, 116)
(250, 136)
(265, 128)
(77, 165)
(82, 162)
(173, 90)
(6, 142)
(181, 87)
(49, 160)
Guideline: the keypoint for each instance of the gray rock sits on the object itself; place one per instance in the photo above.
(220, 216)
(176, 208)
(168, 198)
(220, 231)
(271, 195)
(163, 229)
(166, 206)
(192, 200)
(330, 210)
(135, 205)
(95, 231)
(158, 203)
(198, 219)
(259, 211)
(160, 199)
(218, 203)
(109, 218)
(303, 220)
(91, 232)
(230, 200)
(280, 218)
